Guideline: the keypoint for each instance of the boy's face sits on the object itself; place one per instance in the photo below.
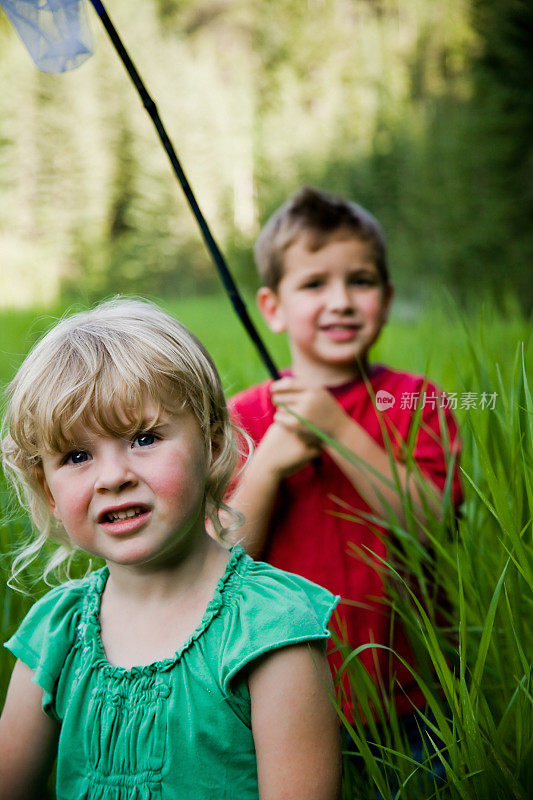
(332, 303)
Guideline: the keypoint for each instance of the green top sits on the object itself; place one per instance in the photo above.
(177, 729)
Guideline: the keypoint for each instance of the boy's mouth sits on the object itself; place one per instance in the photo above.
(121, 514)
(341, 326)
(342, 330)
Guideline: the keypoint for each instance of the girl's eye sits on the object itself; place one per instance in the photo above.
(145, 439)
(76, 457)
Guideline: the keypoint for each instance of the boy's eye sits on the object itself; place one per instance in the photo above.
(363, 280)
(145, 439)
(76, 457)
(313, 283)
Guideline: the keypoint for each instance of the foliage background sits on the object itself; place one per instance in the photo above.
(419, 109)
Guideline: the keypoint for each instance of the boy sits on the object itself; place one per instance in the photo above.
(322, 263)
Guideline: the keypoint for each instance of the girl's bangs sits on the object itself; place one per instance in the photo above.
(109, 402)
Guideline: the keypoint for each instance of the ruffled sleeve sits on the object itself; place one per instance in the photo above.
(271, 609)
(47, 634)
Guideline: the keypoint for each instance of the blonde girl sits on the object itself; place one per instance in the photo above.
(180, 670)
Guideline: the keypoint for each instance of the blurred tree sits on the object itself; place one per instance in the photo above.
(503, 130)
(419, 110)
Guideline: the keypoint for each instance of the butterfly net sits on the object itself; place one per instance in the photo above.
(55, 32)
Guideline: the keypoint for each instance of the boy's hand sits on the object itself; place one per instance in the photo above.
(283, 451)
(315, 404)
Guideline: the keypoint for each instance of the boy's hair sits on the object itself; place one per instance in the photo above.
(318, 216)
(99, 368)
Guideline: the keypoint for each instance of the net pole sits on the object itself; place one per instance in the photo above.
(214, 250)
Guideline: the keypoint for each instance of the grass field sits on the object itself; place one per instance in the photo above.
(475, 661)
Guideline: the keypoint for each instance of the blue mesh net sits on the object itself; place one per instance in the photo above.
(55, 32)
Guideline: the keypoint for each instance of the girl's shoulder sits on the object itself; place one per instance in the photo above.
(264, 591)
(267, 608)
(63, 600)
(48, 630)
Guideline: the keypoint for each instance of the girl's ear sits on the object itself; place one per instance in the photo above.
(269, 305)
(216, 443)
(48, 494)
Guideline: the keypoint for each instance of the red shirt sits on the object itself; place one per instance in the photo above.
(307, 537)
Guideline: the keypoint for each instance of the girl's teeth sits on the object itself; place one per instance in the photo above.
(126, 513)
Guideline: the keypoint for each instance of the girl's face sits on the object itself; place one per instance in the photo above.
(136, 501)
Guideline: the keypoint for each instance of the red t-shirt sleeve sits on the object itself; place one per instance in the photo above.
(438, 445)
(251, 412)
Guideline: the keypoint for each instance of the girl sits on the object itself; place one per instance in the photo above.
(179, 669)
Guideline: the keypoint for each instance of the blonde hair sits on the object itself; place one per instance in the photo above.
(99, 368)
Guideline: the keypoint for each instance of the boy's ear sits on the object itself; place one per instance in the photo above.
(388, 295)
(269, 306)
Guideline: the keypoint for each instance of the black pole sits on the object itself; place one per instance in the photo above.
(218, 258)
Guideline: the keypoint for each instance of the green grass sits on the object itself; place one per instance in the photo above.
(474, 658)
(474, 654)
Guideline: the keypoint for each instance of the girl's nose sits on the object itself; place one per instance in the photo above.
(114, 473)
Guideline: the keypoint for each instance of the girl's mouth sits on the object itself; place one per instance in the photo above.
(126, 514)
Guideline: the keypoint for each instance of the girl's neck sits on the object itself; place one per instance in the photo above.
(145, 618)
(172, 579)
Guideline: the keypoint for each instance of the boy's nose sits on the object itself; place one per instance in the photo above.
(340, 297)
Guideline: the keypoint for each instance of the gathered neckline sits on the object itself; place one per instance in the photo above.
(90, 629)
